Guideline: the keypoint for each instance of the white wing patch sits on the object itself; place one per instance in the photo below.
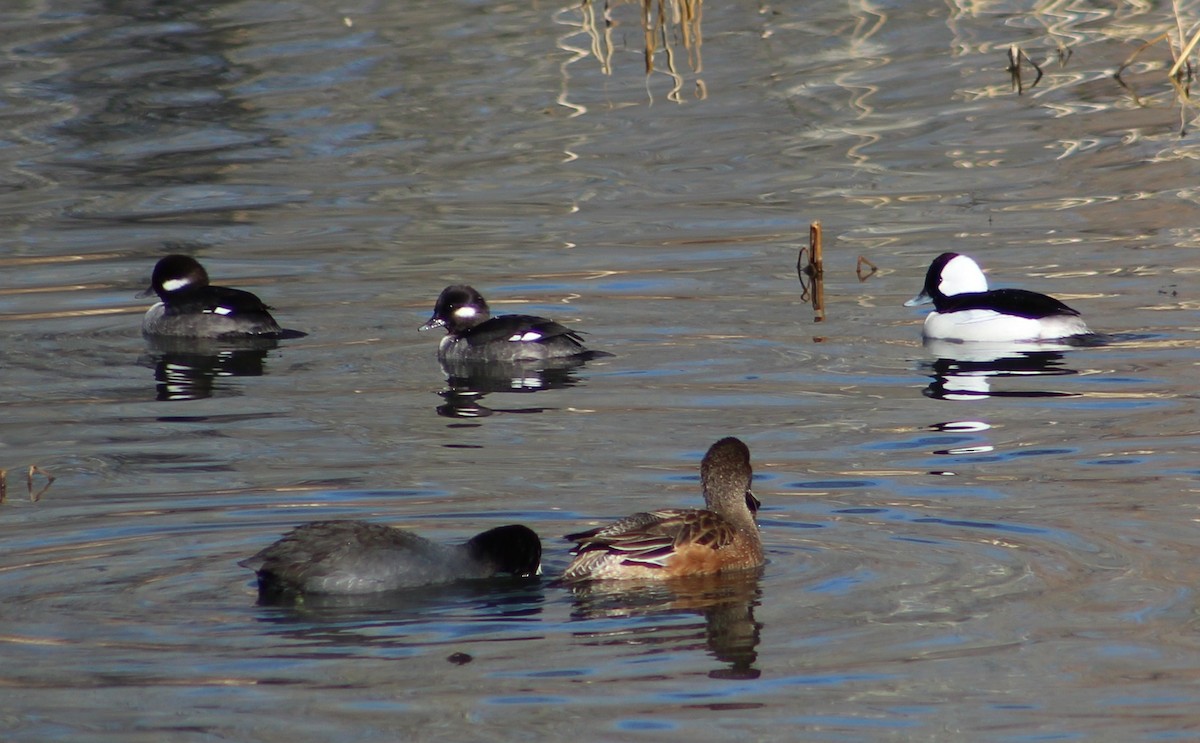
(527, 337)
(174, 285)
(220, 311)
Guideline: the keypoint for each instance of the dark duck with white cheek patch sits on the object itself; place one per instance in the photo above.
(358, 557)
(473, 335)
(190, 307)
(966, 310)
(671, 543)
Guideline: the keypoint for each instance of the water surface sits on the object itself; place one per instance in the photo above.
(993, 547)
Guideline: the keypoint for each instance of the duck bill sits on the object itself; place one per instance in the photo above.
(434, 322)
(147, 292)
(752, 503)
(922, 298)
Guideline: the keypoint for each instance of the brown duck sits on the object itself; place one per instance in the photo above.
(663, 544)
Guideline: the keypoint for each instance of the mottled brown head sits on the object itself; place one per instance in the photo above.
(726, 474)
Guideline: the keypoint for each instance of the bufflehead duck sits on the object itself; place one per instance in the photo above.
(473, 335)
(190, 307)
(669, 543)
(965, 310)
(357, 557)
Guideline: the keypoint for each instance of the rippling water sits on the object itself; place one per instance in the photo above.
(984, 545)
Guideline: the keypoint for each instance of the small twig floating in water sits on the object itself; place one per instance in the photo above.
(3, 484)
(35, 470)
(1015, 55)
(812, 273)
(858, 269)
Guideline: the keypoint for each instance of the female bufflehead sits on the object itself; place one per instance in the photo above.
(473, 335)
(965, 310)
(676, 542)
(356, 557)
(193, 308)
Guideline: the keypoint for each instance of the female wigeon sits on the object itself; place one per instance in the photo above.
(676, 542)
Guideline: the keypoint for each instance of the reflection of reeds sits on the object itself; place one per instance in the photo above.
(686, 15)
(665, 24)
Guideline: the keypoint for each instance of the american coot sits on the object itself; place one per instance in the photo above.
(356, 557)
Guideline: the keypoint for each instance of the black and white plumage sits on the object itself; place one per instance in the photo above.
(190, 307)
(472, 334)
(358, 557)
(966, 310)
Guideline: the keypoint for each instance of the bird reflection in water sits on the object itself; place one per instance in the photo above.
(966, 371)
(405, 620)
(508, 597)
(467, 383)
(725, 601)
(189, 368)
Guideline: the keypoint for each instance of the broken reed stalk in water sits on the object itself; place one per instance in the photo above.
(1179, 76)
(1182, 64)
(1015, 55)
(35, 470)
(812, 273)
(858, 269)
(1181, 60)
(1136, 52)
(34, 496)
(1183, 57)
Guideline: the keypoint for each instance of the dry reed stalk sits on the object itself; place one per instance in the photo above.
(1015, 55)
(812, 273)
(858, 268)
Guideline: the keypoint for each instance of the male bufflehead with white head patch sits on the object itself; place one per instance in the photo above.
(966, 310)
